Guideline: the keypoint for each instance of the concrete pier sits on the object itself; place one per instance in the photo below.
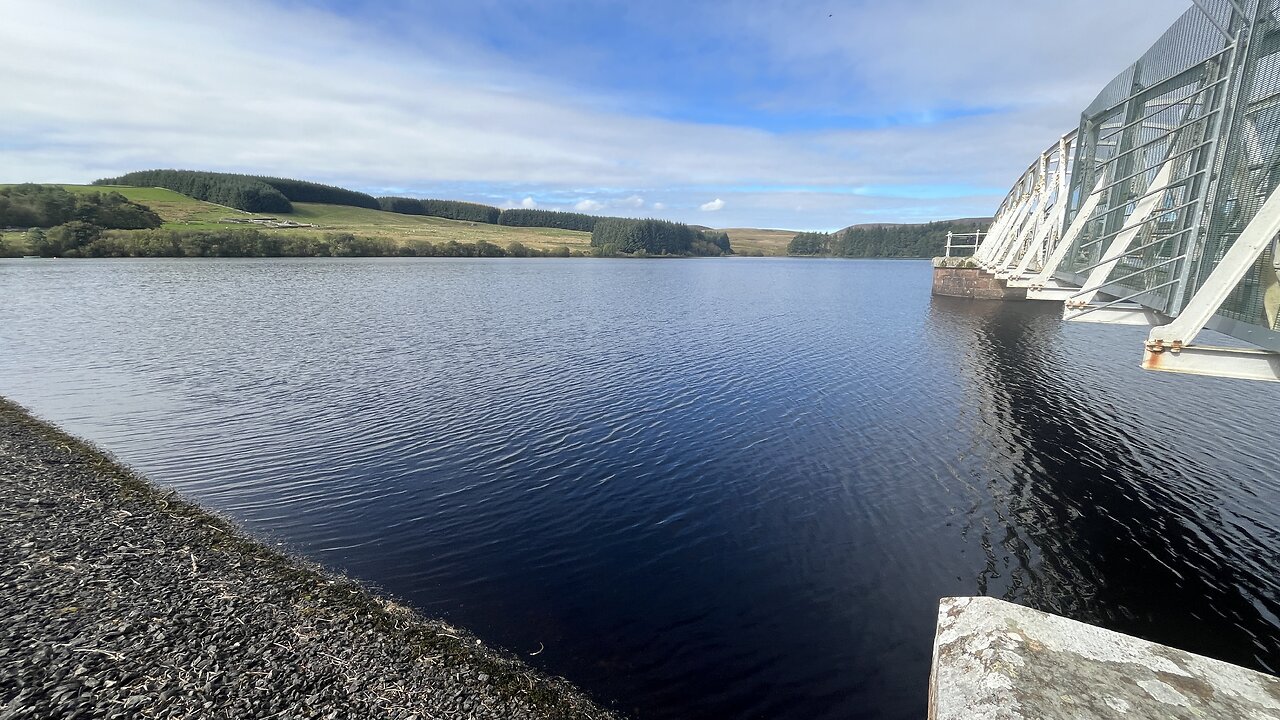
(959, 277)
(999, 661)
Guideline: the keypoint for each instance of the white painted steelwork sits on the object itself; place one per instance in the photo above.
(1161, 207)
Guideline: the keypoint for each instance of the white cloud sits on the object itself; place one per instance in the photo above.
(93, 89)
(588, 206)
(528, 202)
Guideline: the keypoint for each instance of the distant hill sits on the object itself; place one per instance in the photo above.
(983, 221)
(184, 214)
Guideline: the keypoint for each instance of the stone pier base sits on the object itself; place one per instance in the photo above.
(951, 279)
(999, 661)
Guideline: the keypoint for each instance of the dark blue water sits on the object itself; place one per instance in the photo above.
(711, 488)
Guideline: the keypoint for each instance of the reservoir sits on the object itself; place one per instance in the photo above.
(696, 489)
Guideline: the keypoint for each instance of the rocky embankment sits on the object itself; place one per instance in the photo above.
(120, 600)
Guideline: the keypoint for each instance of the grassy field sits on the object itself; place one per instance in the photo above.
(362, 221)
(185, 213)
(766, 242)
(13, 241)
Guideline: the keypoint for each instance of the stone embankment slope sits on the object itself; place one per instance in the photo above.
(120, 600)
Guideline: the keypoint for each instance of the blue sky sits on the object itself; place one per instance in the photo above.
(801, 115)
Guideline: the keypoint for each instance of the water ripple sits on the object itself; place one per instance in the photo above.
(723, 488)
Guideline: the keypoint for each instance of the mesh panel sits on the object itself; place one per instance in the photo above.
(1250, 171)
(1210, 110)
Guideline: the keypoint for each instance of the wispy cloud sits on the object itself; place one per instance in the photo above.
(712, 206)
(93, 89)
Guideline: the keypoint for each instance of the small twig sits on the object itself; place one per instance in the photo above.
(540, 649)
(108, 653)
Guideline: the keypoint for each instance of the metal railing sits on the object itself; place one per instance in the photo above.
(952, 245)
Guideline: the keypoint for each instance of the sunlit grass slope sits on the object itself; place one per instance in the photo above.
(362, 221)
(181, 212)
(749, 241)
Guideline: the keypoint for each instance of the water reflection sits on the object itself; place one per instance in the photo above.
(721, 488)
(1114, 517)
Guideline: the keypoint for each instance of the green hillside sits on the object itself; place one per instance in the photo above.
(181, 212)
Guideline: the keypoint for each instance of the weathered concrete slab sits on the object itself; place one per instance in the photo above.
(999, 661)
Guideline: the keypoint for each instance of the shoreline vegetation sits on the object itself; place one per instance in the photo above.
(61, 221)
(124, 599)
(181, 213)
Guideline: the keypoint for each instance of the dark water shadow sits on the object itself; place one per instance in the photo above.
(1110, 526)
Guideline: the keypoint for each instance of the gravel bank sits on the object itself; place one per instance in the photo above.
(120, 600)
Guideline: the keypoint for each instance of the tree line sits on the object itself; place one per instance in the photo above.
(476, 212)
(237, 191)
(45, 206)
(527, 217)
(306, 191)
(80, 240)
(252, 193)
(877, 241)
(655, 237)
(449, 209)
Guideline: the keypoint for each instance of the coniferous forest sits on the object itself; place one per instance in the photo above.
(251, 193)
(656, 237)
(527, 217)
(237, 191)
(449, 209)
(883, 241)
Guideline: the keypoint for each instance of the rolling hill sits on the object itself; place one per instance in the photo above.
(181, 212)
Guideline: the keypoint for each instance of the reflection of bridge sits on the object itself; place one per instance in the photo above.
(1162, 208)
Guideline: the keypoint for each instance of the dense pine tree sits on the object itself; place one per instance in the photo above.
(871, 241)
(656, 237)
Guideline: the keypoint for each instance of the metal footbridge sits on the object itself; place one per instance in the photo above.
(1162, 208)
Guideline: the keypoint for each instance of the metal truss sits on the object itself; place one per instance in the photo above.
(1025, 228)
(1162, 209)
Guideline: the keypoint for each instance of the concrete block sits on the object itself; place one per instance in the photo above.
(972, 283)
(999, 661)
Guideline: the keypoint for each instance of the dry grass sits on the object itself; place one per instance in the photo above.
(362, 221)
(765, 242)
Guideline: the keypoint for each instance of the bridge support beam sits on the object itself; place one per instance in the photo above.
(1118, 314)
(1239, 363)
